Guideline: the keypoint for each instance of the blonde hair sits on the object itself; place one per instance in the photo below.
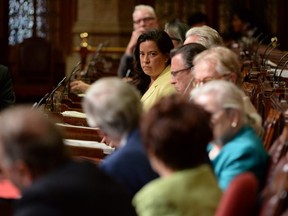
(225, 60)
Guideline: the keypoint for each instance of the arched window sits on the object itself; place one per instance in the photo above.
(27, 18)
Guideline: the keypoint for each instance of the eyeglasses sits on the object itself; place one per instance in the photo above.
(198, 83)
(145, 19)
(174, 73)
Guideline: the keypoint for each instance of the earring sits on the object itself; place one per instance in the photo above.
(234, 124)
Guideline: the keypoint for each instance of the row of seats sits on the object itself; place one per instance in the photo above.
(243, 196)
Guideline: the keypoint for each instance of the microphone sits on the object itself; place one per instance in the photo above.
(39, 103)
(260, 42)
(273, 43)
(92, 63)
(51, 95)
(74, 70)
(258, 36)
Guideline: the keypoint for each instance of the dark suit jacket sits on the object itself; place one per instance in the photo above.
(129, 164)
(7, 95)
(76, 188)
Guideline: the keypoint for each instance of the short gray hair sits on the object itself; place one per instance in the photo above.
(225, 93)
(225, 60)
(113, 105)
(147, 8)
(208, 36)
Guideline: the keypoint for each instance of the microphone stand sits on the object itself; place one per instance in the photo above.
(92, 62)
(74, 70)
(273, 43)
(51, 95)
(260, 42)
(268, 54)
(39, 103)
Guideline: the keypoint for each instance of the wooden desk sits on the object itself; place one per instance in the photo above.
(92, 151)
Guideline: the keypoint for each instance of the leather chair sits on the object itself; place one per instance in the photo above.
(273, 125)
(278, 150)
(34, 70)
(274, 197)
(240, 198)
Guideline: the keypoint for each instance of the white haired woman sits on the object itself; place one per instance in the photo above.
(236, 148)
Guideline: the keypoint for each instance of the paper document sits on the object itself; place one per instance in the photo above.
(74, 114)
(283, 74)
(89, 144)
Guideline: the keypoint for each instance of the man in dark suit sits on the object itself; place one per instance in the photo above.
(7, 95)
(114, 106)
(35, 159)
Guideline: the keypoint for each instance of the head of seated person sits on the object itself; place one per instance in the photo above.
(151, 57)
(181, 65)
(224, 100)
(176, 30)
(114, 106)
(31, 145)
(144, 18)
(216, 63)
(204, 35)
(169, 122)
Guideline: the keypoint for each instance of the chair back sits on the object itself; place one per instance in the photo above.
(274, 197)
(35, 60)
(272, 127)
(240, 198)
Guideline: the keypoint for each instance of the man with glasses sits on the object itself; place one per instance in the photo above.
(222, 63)
(181, 65)
(144, 18)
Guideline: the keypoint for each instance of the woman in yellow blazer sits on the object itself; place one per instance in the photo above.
(153, 66)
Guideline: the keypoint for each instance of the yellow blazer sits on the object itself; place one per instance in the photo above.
(159, 88)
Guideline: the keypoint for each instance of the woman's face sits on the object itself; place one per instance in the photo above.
(220, 119)
(153, 62)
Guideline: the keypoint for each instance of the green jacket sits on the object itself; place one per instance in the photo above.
(188, 192)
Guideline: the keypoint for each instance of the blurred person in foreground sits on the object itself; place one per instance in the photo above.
(236, 148)
(176, 143)
(222, 63)
(115, 107)
(34, 158)
(181, 65)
